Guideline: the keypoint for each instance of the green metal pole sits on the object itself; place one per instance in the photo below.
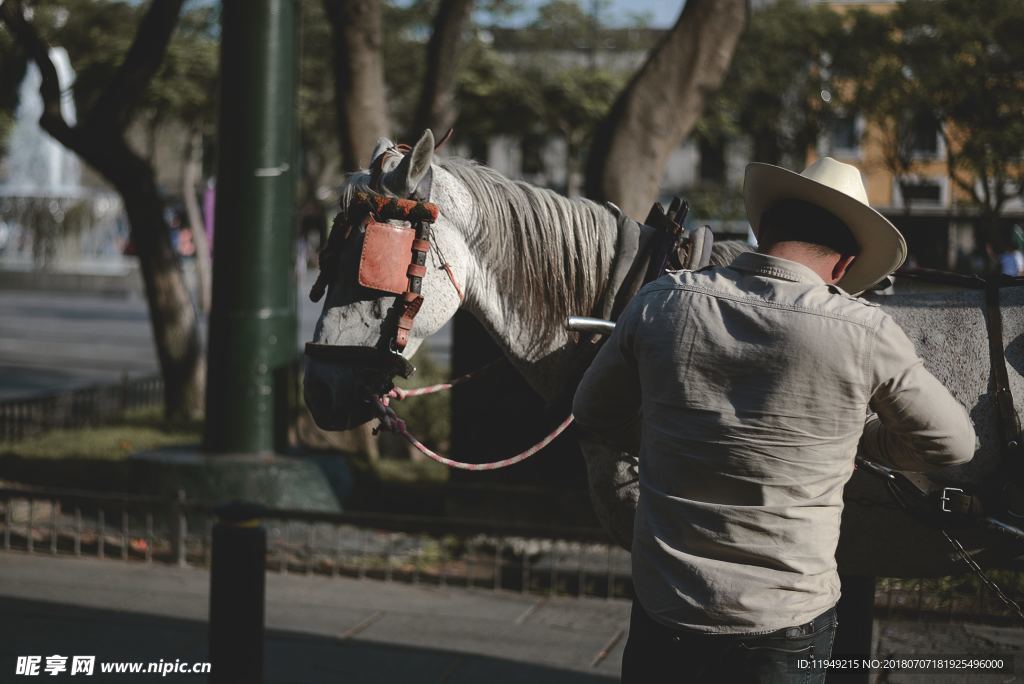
(253, 317)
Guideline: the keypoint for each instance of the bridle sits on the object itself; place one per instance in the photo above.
(393, 260)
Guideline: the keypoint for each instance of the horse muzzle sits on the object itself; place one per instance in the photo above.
(340, 395)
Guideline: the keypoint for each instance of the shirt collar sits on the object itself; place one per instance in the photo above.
(776, 267)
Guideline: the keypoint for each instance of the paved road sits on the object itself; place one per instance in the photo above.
(51, 341)
(319, 629)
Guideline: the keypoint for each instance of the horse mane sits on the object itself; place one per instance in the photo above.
(545, 247)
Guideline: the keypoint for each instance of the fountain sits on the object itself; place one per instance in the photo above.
(48, 219)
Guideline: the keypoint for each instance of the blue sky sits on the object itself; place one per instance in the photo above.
(662, 13)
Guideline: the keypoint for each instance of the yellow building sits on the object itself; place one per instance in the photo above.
(931, 210)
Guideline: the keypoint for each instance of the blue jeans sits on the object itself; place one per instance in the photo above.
(656, 654)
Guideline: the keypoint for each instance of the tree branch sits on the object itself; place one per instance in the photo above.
(661, 103)
(436, 107)
(967, 185)
(115, 105)
(359, 89)
(52, 120)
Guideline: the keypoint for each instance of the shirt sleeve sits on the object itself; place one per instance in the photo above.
(917, 425)
(607, 401)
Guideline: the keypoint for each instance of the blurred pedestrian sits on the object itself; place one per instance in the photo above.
(1011, 255)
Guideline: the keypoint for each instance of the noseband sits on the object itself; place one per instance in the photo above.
(393, 260)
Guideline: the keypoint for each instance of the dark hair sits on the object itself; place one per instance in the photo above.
(799, 221)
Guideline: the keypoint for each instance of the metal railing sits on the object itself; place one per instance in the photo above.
(549, 560)
(22, 418)
(564, 561)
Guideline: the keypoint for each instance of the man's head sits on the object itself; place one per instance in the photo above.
(803, 232)
(822, 216)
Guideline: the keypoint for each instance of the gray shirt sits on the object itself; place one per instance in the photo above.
(747, 390)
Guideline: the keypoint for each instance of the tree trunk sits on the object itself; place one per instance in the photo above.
(98, 138)
(359, 89)
(436, 108)
(662, 102)
(171, 313)
(191, 172)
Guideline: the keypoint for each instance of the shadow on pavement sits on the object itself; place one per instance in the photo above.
(43, 629)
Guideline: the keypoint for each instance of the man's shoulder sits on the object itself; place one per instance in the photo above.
(725, 282)
(836, 290)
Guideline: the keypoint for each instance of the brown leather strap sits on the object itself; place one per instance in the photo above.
(411, 304)
(1009, 420)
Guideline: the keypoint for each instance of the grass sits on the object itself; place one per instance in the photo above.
(146, 429)
(139, 430)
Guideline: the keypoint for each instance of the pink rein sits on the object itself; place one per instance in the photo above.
(390, 421)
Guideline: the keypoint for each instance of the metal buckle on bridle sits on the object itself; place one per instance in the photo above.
(944, 498)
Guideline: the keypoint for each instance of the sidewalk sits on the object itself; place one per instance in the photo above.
(319, 629)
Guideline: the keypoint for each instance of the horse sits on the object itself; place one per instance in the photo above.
(520, 259)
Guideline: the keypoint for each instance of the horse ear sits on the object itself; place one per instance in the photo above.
(378, 149)
(414, 166)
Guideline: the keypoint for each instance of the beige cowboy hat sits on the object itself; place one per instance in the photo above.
(837, 188)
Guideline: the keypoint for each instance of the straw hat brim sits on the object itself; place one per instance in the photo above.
(882, 247)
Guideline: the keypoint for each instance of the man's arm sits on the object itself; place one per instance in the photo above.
(607, 409)
(607, 401)
(917, 425)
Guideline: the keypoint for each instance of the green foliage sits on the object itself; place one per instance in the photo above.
(716, 201)
(572, 101)
(406, 30)
(772, 92)
(538, 93)
(98, 33)
(316, 83)
(958, 63)
(494, 97)
(428, 416)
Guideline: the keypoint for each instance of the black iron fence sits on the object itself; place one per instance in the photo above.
(22, 418)
(549, 560)
(564, 561)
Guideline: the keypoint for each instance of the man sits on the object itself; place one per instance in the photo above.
(748, 390)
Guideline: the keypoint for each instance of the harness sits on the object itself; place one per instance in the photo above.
(1005, 492)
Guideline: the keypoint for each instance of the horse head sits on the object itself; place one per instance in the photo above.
(358, 345)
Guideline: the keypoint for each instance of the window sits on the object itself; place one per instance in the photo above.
(845, 135)
(924, 136)
(918, 191)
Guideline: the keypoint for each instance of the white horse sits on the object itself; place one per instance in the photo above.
(527, 257)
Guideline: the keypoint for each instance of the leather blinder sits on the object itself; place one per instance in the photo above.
(387, 251)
